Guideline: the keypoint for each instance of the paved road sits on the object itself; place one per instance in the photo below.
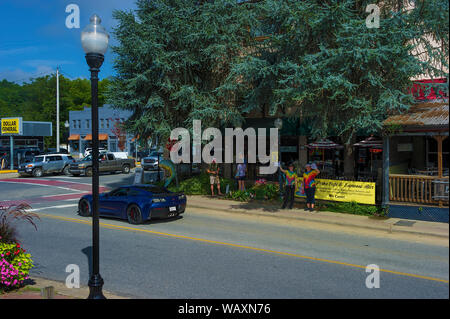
(209, 254)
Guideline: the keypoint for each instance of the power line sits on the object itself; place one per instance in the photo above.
(33, 77)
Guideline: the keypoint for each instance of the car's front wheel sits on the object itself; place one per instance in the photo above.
(66, 170)
(84, 207)
(134, 214)
(37, 172)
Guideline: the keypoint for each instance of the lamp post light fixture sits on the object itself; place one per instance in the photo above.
(94, 40)
(279, 125)
(66, 125)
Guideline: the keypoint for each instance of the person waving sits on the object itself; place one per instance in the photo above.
(309, 184)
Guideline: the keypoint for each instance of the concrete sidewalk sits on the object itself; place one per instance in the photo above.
(390, 225)
(33, 291)
(8, 174)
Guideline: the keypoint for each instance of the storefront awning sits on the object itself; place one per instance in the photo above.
(101, 137)
(74, 137)
(324, 144)
(371, 142)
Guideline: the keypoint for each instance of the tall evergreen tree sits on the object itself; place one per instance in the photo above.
(172, 57)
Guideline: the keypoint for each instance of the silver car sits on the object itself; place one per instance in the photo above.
(47, 164)
(150, 162)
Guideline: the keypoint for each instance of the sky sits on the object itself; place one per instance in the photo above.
(34, 39)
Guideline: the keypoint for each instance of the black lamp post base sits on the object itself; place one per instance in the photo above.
(95, 287)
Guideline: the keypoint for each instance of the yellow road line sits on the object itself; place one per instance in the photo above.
(127, 228)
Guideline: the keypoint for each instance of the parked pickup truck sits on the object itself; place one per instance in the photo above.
(107, 163)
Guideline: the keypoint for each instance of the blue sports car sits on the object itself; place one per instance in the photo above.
(136, 203)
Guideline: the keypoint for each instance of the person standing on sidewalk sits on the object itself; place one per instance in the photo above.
(240, 175)
(309, 183)
(213, 171)
(290, 186)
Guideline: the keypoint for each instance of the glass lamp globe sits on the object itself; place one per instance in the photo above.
(94, 37)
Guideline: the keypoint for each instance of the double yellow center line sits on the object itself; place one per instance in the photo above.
(127, 228)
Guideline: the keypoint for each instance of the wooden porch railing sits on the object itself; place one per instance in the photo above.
(415, 189)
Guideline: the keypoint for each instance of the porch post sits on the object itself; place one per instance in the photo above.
(439, 139)
(385, 196)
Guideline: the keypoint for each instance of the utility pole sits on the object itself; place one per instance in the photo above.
(57, 109)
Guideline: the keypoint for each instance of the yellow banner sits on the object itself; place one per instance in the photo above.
(11, 126)
(342, 191)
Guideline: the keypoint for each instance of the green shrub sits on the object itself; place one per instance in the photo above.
(241, 196)
(352, 208)
(199, 185)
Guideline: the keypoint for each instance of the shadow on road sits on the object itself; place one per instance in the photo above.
(88, 252)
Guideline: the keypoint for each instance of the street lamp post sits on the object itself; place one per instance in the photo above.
(66, 125)
(94, 40)
(279, 125)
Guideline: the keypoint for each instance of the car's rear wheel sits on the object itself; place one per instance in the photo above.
(84, 207)
(37, 172)
(126, 169)
(134, 214)
(88, 171)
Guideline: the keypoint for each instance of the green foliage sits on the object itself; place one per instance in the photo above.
(173, 60)
(242, 196)
(265, 191)
(198, 185)
(36, 100)
(353, 208)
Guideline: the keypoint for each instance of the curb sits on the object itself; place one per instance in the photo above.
(389, 228)
(61, 289)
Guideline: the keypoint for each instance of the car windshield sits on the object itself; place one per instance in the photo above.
(154, 189)
(38, 159)
(87, 158)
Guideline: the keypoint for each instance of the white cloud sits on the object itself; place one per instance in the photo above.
(20, 76)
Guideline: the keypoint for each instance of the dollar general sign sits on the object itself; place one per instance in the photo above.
(12, 125)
